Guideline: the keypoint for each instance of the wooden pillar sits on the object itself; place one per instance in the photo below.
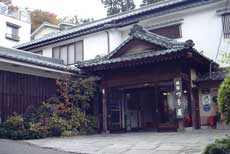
(195, 108)
(194, 100)
(104, 111)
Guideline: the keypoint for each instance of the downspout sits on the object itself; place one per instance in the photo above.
(108, 40)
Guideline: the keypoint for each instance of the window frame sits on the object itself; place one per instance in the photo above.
(14, 37)
(166, 26)
(226, 25)
(68, 52)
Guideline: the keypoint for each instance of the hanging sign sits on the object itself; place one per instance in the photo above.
(206, 101)
(178, 96)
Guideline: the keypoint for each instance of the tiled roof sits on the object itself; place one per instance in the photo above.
(145, 54)
(118, 20)
(217, 75)
(137, 32)
(31, 58)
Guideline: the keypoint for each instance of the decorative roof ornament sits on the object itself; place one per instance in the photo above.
(136, 28)
(189, 44)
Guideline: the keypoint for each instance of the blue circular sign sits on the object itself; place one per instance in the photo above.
(206, 107)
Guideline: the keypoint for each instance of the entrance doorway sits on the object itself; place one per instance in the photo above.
(149, 108)
(166, 107)
(140, 109)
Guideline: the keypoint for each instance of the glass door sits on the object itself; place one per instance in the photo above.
(166, 107)
(114, 105)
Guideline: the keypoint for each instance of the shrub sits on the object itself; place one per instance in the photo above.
(69, 133)
(15, 123)
(224, 99)
(66, 114)
(38, 130)
(219, 147)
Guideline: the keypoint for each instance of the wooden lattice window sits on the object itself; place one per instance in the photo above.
(173, 31)
(226, 25)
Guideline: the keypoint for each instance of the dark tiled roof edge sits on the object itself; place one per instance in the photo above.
(26, 57)
(99, 25)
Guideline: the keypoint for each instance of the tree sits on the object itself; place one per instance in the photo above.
(224, 99)
(118, 6)
(39, 16)
(224, 90)
(148, 2)
(75, 19)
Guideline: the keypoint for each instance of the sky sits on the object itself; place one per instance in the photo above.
(62, 8)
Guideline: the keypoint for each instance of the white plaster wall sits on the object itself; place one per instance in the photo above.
(24, 31)
(204, 28)
(47, 52)
(44, 31)
(201, 24)
(115, 38)
(97, 44)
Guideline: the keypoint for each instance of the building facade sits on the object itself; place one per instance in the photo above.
(15, 26)
(203, 21)
(152, 76)
(150, 82)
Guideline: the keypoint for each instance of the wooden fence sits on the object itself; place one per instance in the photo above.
(18, 91)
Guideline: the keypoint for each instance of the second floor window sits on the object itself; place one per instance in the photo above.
(173, 31)
(12, 31)
(70, 53)
(226, 25)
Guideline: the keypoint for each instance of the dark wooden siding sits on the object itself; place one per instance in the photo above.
(18, 91)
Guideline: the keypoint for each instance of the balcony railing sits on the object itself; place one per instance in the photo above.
(12, 37)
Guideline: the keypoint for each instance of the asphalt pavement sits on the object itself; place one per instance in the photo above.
(19, 147)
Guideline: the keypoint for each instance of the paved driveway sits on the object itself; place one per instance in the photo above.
(17, 147)
(191, 142)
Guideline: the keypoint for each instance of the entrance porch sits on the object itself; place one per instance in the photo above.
(147, 106)
(147, 83)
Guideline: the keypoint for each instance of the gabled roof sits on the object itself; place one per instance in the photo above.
(137, 32)
(44, 24)
(169, 49)
(119, 20)
(35, 59)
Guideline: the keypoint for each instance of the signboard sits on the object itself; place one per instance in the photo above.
(205, 90)
(206, 101)
(207, 107)
(179, 100)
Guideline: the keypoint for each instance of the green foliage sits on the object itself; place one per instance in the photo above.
(118, 6)
(67, 113)
(15, 123)
(76, 20)
(219, 147)
(224, 99)
(225, 58)
(148, 2)
(16, 128)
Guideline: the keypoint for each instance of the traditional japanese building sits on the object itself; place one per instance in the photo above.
(150, 82)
